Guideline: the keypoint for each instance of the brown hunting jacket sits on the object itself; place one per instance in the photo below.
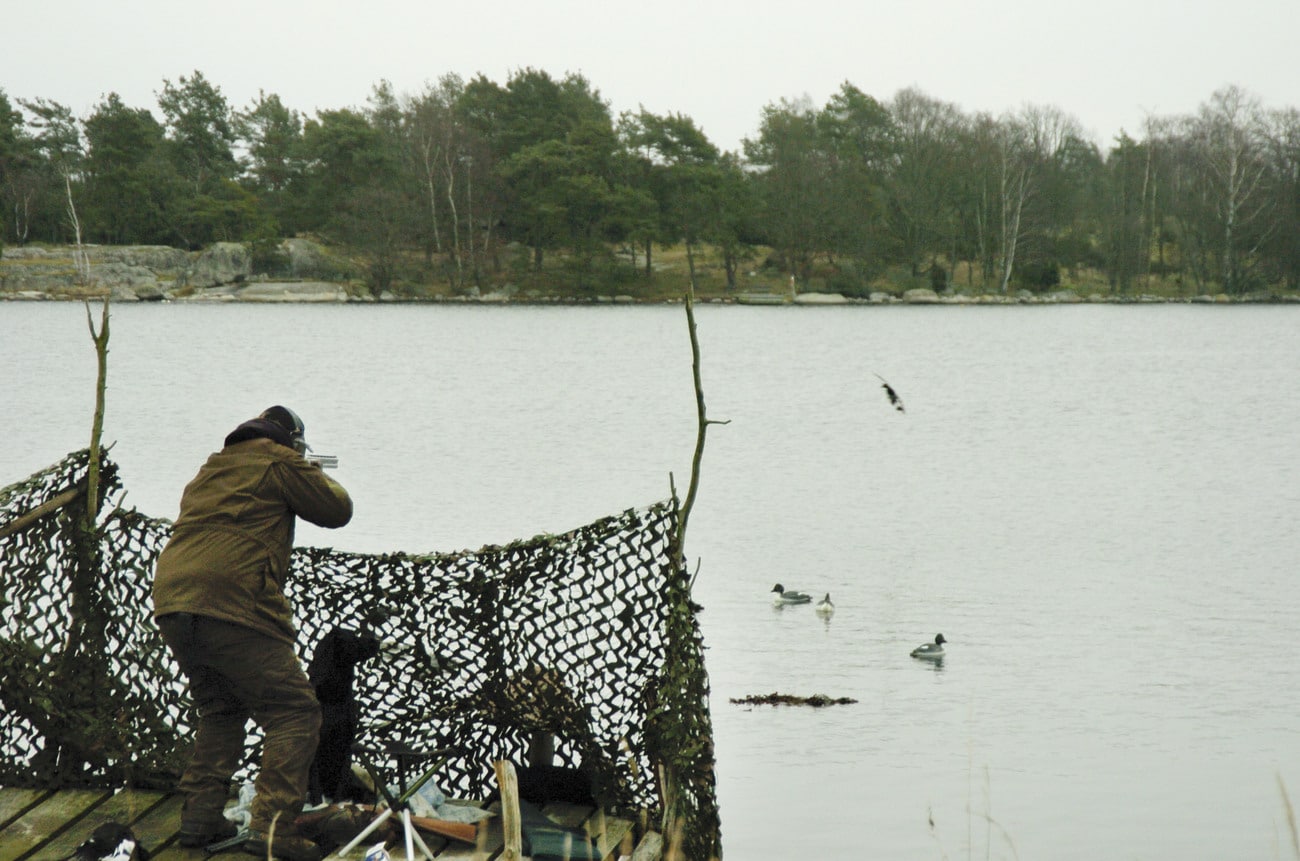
(228, 555)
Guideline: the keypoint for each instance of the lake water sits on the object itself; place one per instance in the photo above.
(1095, 504)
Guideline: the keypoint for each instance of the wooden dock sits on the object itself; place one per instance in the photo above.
(45, 825)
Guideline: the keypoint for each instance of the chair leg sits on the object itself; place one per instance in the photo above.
(370, 829)
(415, 833)
(407, 830)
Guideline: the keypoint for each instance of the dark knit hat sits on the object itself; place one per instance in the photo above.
(277, 423)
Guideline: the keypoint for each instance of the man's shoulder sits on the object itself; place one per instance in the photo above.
(259, 448)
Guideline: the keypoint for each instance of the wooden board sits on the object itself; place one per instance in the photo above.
(568, 815)
(651, 847)
(46, 820)
(159, 824)
(14, 801)
(611, 836)
(125, 807)
(176, 852)
(49, 826)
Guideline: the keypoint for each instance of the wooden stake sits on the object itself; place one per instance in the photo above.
(97, 428)
(511, 826)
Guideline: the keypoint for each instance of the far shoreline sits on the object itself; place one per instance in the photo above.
(266, 293)
(311, 272)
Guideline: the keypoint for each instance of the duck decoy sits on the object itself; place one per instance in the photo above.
(786, 596)
(930, 651)
(825, 607)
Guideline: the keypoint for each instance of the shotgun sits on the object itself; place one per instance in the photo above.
(465, 832)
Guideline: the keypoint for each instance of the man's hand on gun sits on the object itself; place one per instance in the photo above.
(324, 461)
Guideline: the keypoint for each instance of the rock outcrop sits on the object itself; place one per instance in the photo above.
(221, 272)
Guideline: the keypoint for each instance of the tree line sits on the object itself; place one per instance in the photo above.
(469, 182)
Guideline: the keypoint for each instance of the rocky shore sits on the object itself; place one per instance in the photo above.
(155, 273)
(223, 272)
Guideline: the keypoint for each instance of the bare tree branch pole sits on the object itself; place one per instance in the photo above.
(702, 425)
(97, 428)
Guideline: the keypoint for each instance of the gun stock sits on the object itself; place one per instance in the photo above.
(465, 832)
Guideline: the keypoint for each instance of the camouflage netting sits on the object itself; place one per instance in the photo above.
(588, 635)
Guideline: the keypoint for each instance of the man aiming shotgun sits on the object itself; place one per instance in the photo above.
(219, 602)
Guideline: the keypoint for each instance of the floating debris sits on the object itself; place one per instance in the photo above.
(774, 699)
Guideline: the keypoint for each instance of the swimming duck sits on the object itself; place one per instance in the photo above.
(825, 607)
(786, 596)
(930, 651)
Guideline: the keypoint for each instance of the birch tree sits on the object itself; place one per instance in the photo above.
(1026, 142)
(1226, 144)
(59, 141)
(443, 156)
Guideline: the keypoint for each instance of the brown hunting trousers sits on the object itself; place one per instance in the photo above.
(235, 674)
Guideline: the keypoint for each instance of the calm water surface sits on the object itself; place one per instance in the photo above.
(1096, 505)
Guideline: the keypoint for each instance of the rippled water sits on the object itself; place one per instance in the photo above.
(1095, 505)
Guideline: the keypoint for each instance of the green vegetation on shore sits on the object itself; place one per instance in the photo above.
(329, 273)
(534, 189)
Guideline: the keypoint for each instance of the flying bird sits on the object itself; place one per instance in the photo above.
(894, 399)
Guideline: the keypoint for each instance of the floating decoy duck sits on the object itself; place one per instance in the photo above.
(930, 651)
(786, 596)
(825, 607)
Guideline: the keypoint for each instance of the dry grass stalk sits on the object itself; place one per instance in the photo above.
(1290, 816)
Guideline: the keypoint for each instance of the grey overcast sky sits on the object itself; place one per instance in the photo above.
(1109, 63)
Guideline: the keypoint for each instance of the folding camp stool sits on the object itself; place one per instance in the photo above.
(406, 760)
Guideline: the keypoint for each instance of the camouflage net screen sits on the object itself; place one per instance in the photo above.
(588, 635)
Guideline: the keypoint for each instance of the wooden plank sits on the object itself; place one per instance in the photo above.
(651, 847)
(568, 815)
(125, 807)
(158, 825)
(609, 832)
(45, 820)
(14, 801)
(177, 852)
